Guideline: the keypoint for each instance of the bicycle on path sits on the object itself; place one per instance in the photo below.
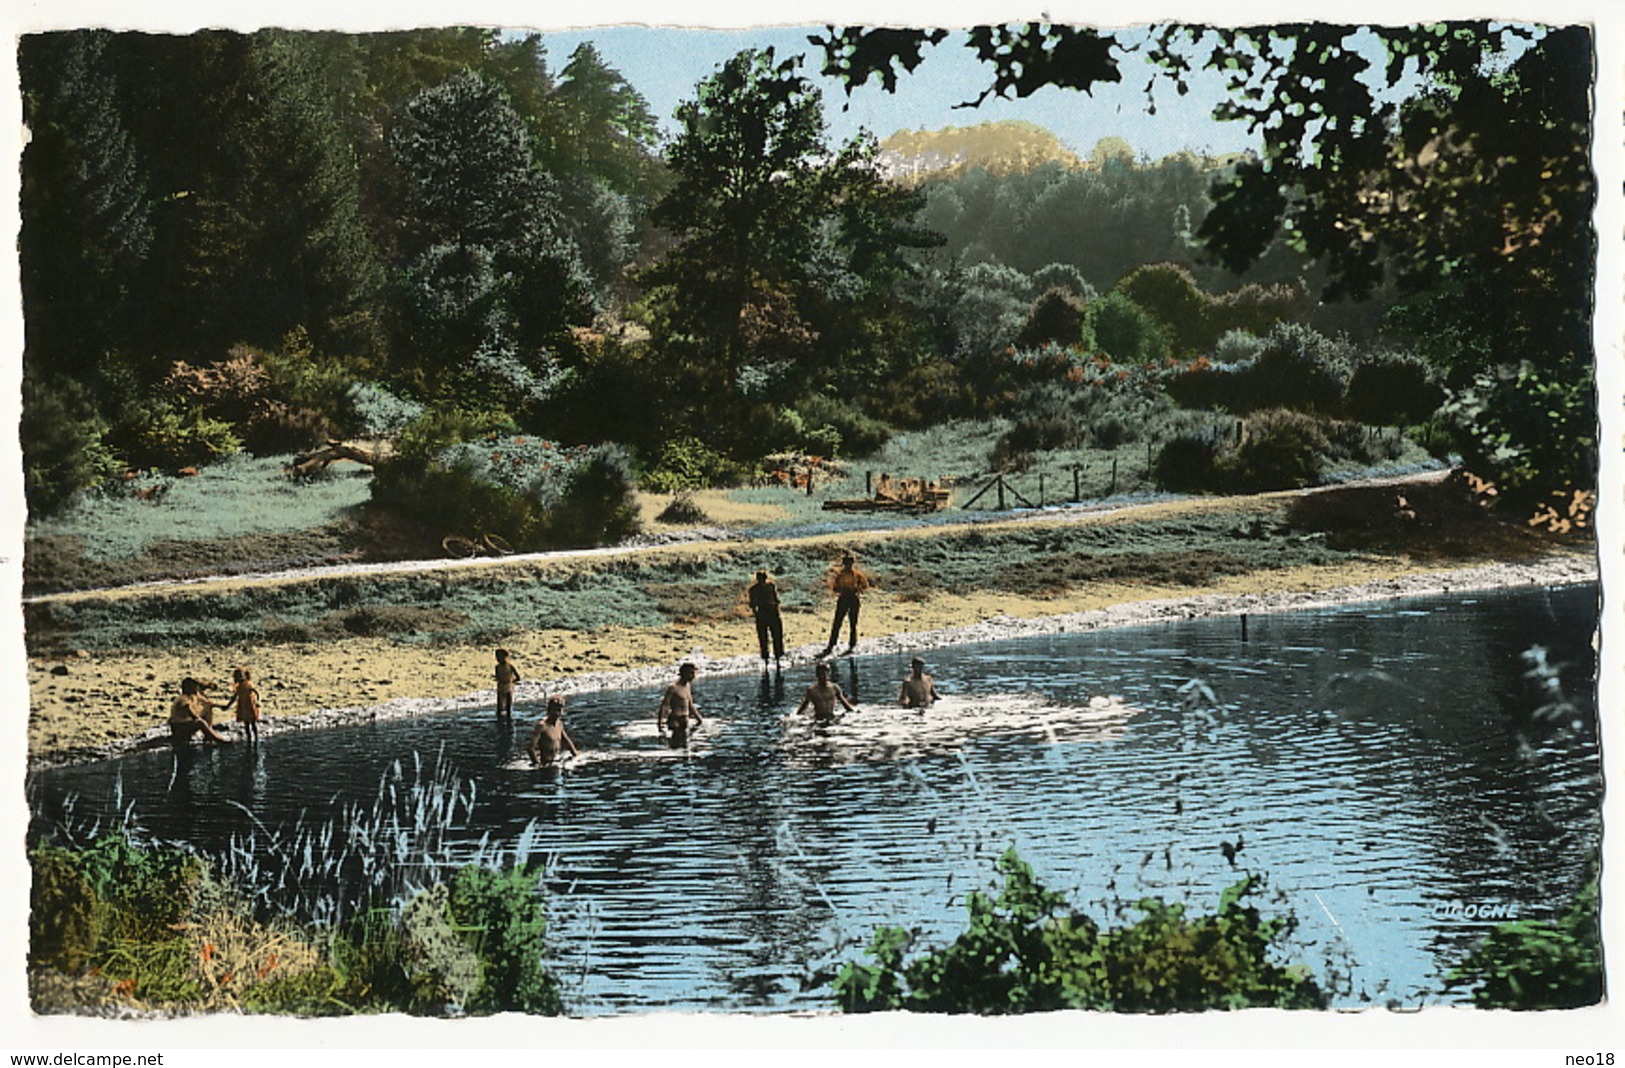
(461, 547)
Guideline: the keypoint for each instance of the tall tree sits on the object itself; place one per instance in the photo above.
(490, 272)
(278, 241)
(87, 225)
(742, 212)
(606, 129)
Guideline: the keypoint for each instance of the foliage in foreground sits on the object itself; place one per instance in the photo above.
(116, 924)
(1539, 964)
(1025, 951)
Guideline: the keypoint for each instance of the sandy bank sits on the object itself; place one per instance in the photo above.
(95, 706)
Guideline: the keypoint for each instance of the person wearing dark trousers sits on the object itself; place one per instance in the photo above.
(848, 584)
(764, 605)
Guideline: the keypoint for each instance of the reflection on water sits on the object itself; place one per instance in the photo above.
(1384, 765)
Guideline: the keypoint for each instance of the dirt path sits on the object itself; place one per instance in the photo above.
(713, 538)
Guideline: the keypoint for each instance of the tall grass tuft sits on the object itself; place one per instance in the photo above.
(368, 856)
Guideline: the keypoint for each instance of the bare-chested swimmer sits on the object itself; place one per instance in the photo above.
(550, 738)
(677, 707)
(919, 689)
(822, 696)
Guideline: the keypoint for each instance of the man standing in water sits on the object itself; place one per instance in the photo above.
(847, 583)
(764, 605)
(506, 676)
(822, 697)
(677, 707)
(550, 738)
(919, 689)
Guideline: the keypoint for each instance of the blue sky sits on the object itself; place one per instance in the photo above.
(665, 65)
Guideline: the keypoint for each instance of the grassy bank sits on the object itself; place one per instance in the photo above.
(104, 666)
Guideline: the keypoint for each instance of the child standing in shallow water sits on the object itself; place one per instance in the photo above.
(247, 700)
(506, 675)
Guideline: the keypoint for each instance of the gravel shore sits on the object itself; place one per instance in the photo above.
(294, 681)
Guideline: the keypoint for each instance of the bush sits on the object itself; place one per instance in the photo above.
(501, 915)
(930, 394)
(161, 930)
(63, 448)
(535, 493)
(1169, 293)
(373, 411)
(62, 918)
(1187, 464)
(689, 463)
(1540, 964)
(1237, 346)
(1282, 450)
(171, 438)
(857, 434)
(229, 389)
(1298, 369)
(151, 890)
(1125, 331)
(1046, 421)
(1025, 952)
(1392, 390)
(682, 509)
(1056, 317)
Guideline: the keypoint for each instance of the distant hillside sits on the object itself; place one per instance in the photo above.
(996, 147)
(1000, 148)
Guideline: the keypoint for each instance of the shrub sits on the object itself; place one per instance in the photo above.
(1282, 450)
(1065, 278)
(930, 394)
(1393, 390)
(857, 434)
(1169, 294)
(230, 389)
(1539, 964)
(279, 428)
(689, 463)
(62, 918)
(373, 411)
(501, 915)
(151, 889)
(1298, 369)
(238, 391)
(1023, 951)
(598, 506)
(302, 381)
(1125, 331)
(62, 442)
(170, 438)
(1187, 464)
(1237, 346)
(682, 509)
(1056, 317)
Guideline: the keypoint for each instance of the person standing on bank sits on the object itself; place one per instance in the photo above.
(764, 605)
(848, 583)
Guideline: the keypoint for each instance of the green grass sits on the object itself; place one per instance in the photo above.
(238, 497)
(481, 604)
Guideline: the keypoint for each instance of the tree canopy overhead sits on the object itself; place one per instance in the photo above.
(1451, 159)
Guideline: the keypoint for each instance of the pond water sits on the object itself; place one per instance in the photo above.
(1398, 771)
